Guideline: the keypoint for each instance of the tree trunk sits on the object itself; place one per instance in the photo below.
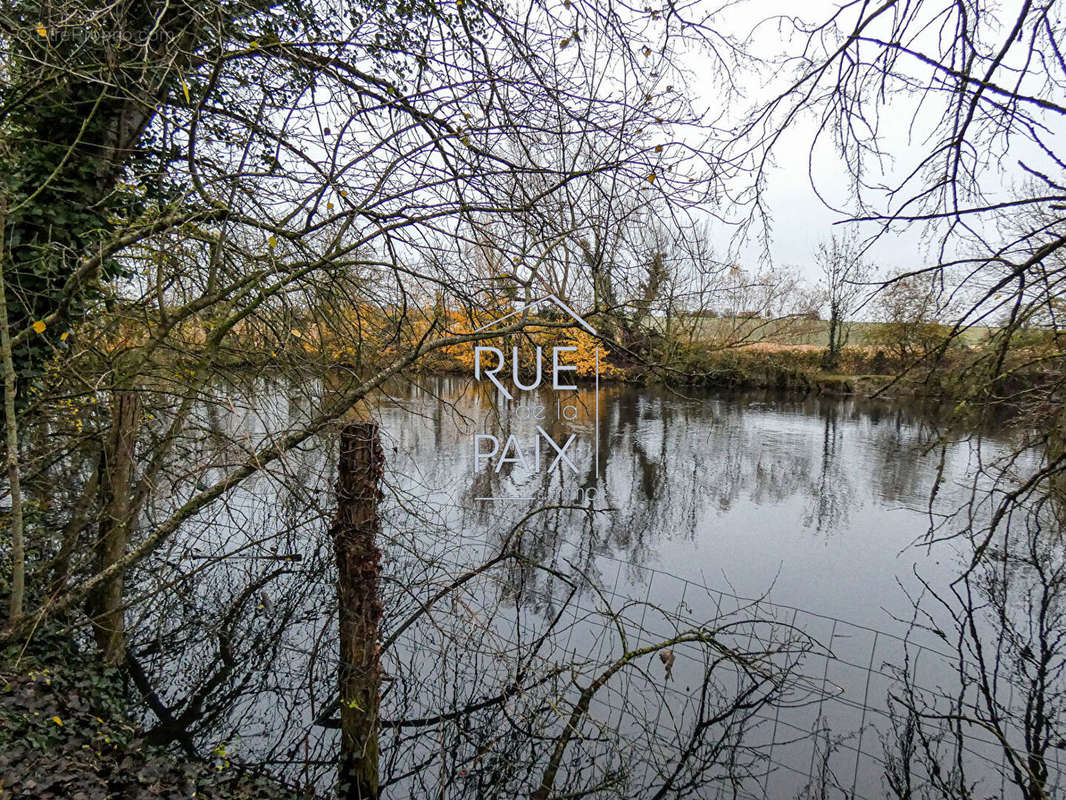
(116, 480)
(82, 112)
(354, 532)
(18, 547)
(832, 355)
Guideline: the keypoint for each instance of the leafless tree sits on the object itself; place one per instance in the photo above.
(227, 229)
(978, 175)
(844, 273)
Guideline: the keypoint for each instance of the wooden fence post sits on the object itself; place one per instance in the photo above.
(354, 532)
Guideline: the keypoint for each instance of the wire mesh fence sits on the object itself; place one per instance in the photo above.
(836, 731)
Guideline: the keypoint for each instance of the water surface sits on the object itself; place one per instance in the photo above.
(709, 512)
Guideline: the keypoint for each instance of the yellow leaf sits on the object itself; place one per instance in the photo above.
(63, 336)
(272, 241)
(651, 178)
(296, 333)
(39, 326)
(57, 721)
(344, 192)
(185, 89)
(42, 31)
(658, 148)
(329, 206)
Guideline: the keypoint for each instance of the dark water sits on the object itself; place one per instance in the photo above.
(707, 512)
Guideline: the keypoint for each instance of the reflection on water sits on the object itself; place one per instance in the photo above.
(812, 506)
(818, 498)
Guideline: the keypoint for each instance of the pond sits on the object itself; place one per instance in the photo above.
(814, 502)
(795, 529)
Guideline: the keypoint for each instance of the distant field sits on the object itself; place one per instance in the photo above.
(796, 332)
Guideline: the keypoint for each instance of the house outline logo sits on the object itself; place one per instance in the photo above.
(586, 494)
(533, 304)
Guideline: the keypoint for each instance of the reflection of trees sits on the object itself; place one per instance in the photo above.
(832, 492)
(473, 684)
(1003, 620)
(668, 464)
(902, 470)
(504, 673)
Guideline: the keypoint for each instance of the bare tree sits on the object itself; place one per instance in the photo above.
(977, 175)
(228, 227)
(844, 272)
(909, 313)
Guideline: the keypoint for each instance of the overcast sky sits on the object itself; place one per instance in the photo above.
(800, 217)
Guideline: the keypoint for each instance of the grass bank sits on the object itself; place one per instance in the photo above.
(776, 366)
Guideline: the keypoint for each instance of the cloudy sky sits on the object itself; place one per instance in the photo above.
(804, 211)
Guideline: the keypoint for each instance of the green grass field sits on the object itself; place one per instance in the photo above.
(797, 332)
